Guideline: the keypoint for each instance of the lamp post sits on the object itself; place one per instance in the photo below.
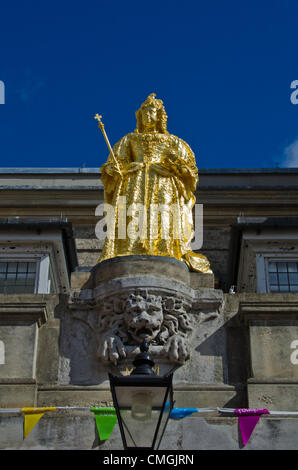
(143, 403)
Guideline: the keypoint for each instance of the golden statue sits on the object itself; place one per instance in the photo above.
(151, 173)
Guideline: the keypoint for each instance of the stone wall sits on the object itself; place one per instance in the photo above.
(242, 355)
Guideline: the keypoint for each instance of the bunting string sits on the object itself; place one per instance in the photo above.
(175, 414)
(194, 410)
(105, 417)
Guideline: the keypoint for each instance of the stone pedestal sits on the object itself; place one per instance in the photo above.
(128, 298)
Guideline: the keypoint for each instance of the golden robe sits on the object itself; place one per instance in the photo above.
(158, 170)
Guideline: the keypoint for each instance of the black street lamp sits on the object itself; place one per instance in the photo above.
(143, 403)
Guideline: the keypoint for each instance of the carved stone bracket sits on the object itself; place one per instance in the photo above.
(121, 322)
(155, 305)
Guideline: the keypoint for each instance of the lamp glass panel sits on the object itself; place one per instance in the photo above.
(140, 432)
(125, 395)
(165, 415)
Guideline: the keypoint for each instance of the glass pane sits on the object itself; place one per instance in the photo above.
(284, 288)
(292, 267)
(293, 278)
(3, 267)
(283, 278)
(164, 419)
(282, 267)
(31, 276)
(125, 395)
(22, 267)
(11, 279)
(139, 433)
(10, 290)
(273, 278)
(12, 267)
(294, 288)
(31, 267)
(140, 408)
(19, 289)
(2, 276)
(21, 276)
(274, 289)
(28, 289)
(272, 267)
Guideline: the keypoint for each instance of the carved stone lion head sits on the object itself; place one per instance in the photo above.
(143, 317)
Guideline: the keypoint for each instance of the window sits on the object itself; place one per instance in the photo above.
(283, 276)
(17, 277)
(268, 258)
(36, 256)
(26, 275)
(277, 273)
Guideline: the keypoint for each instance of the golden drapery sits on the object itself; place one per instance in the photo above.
(157, 184)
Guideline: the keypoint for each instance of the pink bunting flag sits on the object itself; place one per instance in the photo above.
(248, 419)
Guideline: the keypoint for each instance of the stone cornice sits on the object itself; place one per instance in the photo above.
(23, 309)
(268, 307)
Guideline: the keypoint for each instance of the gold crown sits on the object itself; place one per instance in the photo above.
(152, 101)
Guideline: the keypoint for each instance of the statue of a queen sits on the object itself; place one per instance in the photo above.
(151, 178)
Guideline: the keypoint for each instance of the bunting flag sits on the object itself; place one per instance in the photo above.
(105, 419)
(178, 413)
(32, 416)
(248, 419)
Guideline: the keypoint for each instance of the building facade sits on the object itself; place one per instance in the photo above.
(245, 342)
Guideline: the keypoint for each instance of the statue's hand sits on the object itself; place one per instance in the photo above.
(171, 160)
(110, 348)
(171, 156)
(160, 170)
(112, 170)
(177, 349)
(133, 166)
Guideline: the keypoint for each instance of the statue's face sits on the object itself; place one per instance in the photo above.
(149, 117)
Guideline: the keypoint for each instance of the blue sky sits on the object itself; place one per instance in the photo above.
(222, 68)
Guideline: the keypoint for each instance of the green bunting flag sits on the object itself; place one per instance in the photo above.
(105, 419)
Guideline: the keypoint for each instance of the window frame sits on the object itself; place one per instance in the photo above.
(44, 277)
(262, 268)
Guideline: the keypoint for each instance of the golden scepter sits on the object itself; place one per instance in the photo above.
(143, 235)
(102, 128)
